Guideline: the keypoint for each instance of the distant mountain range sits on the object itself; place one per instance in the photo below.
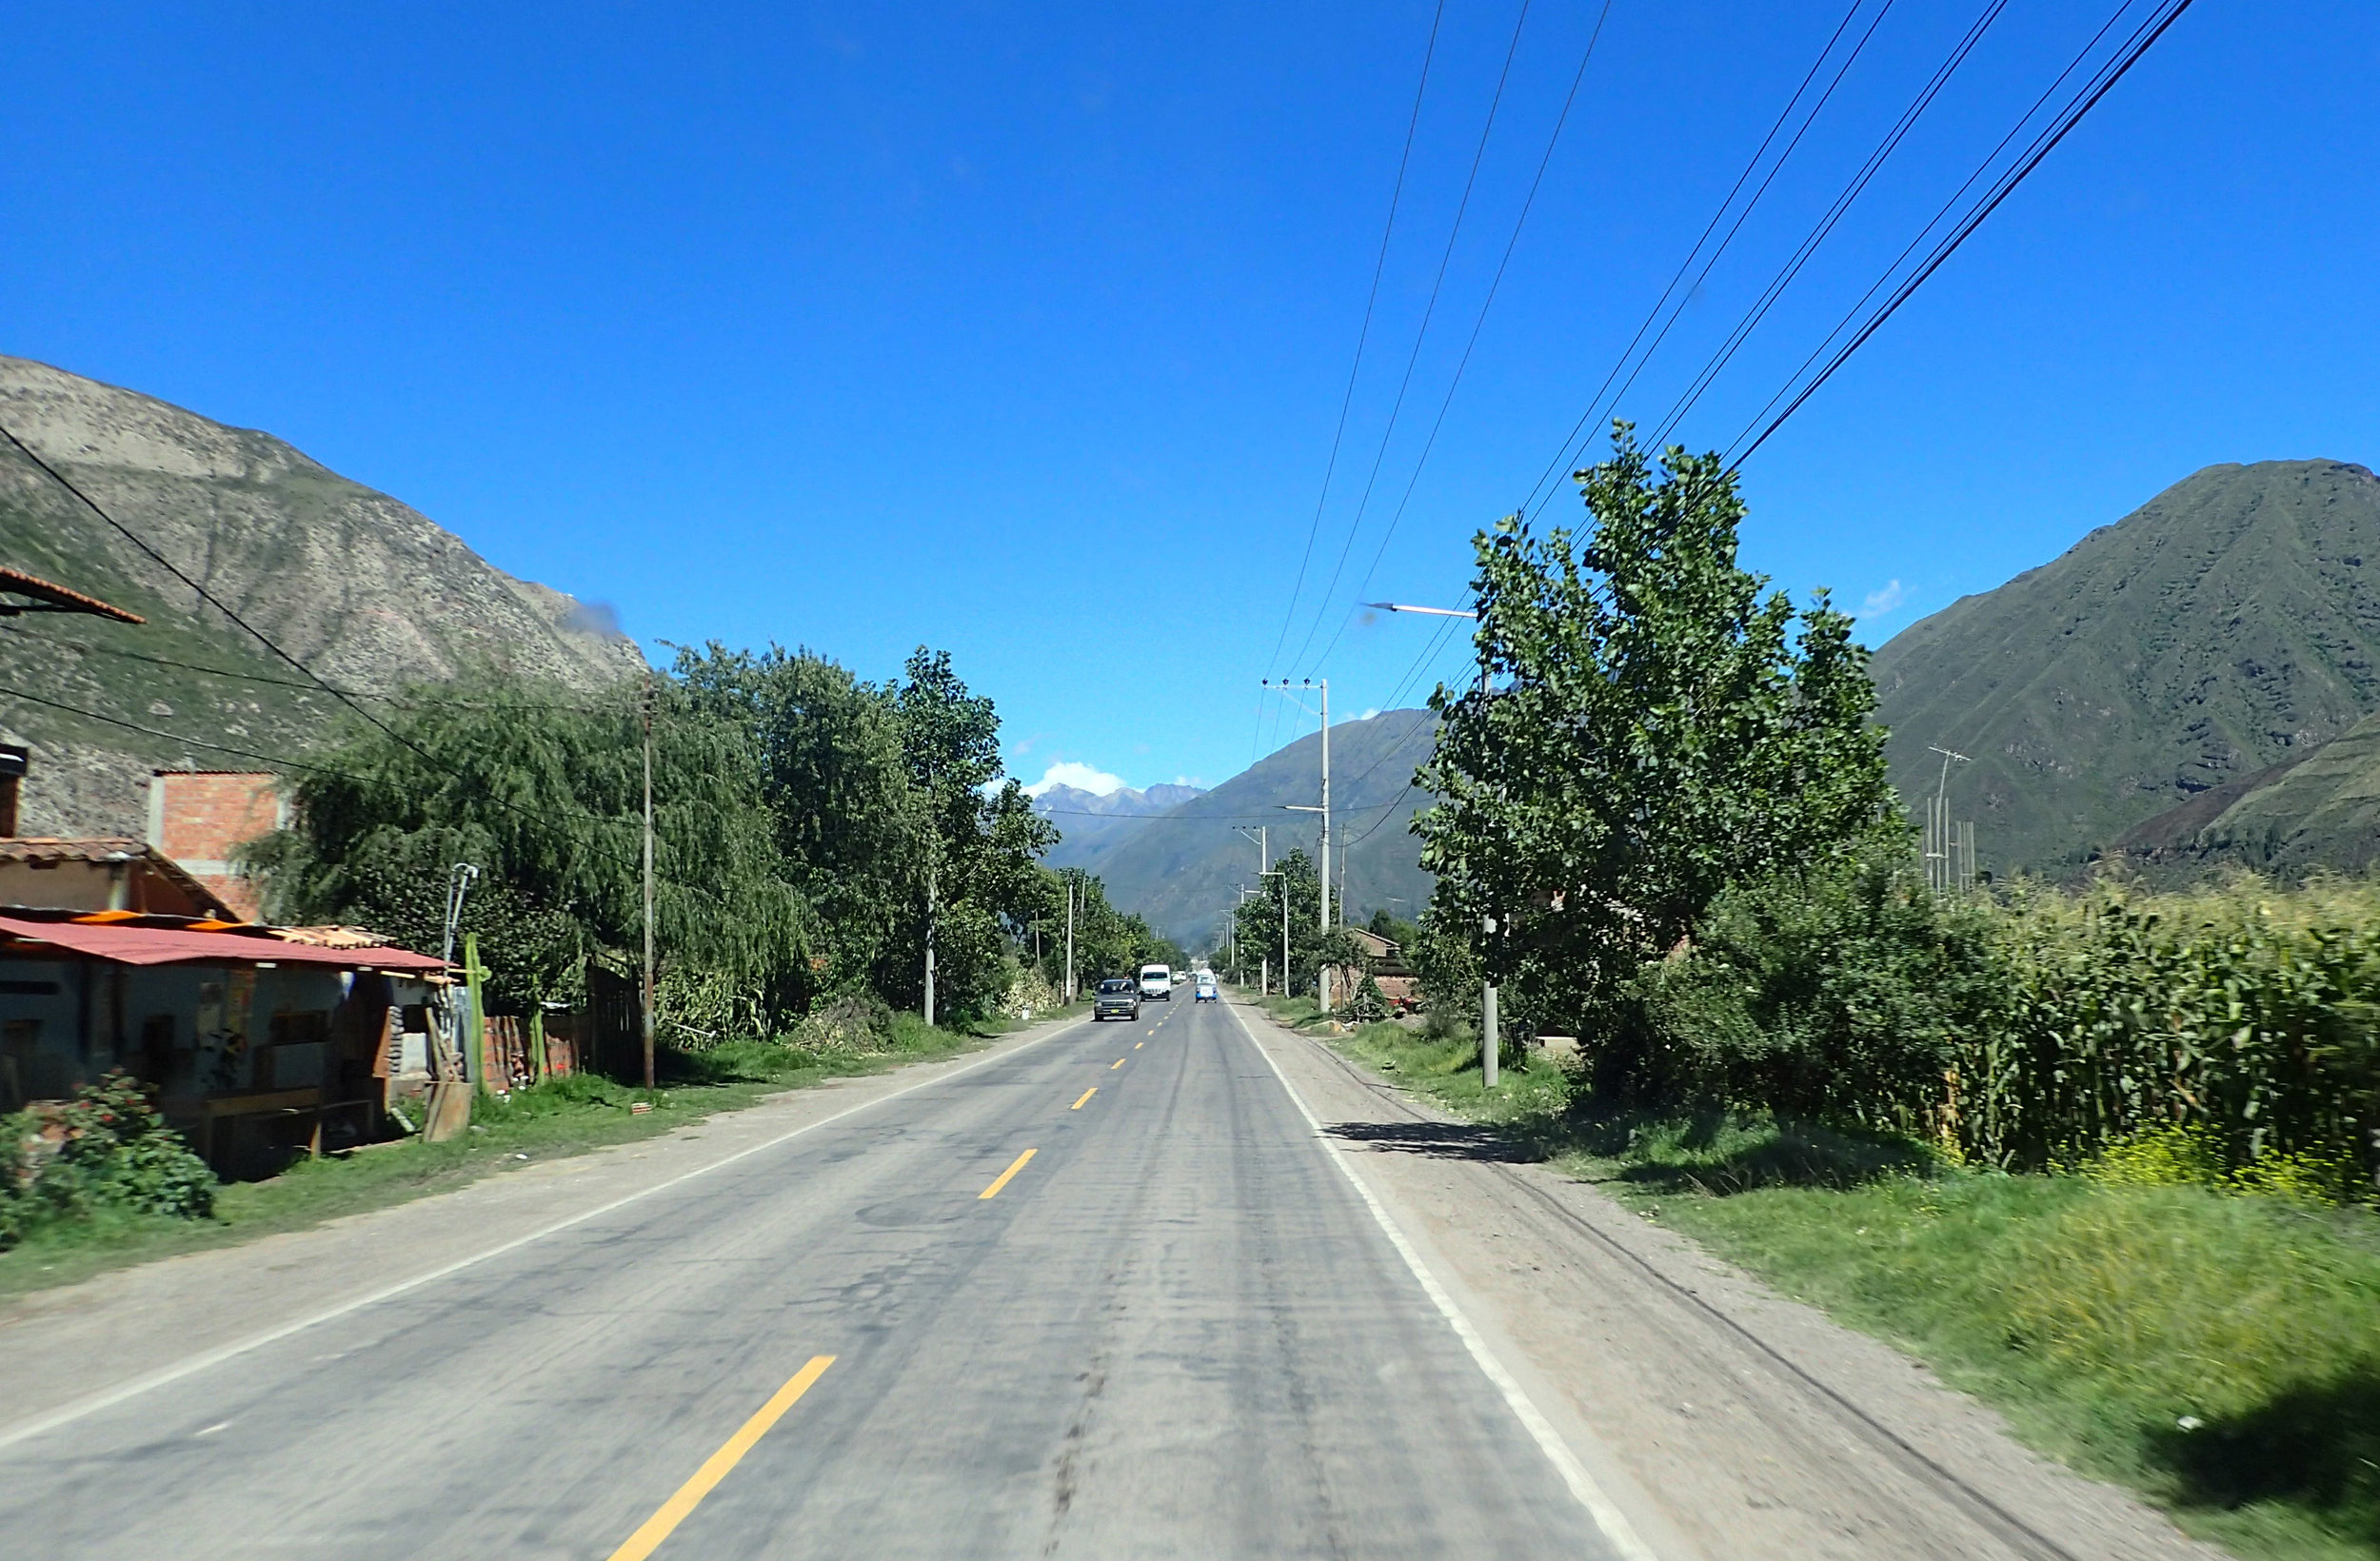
(1182, 868)
(1091, 823)
(365, 591)
(2182, 661)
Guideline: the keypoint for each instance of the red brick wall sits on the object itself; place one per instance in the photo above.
(200, 820)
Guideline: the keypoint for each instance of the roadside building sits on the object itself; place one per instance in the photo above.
(256, 1040)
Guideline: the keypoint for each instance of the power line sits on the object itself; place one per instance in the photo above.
(1512, 243)
(1562, 456)
(402, 700)
(2103, 82)
(1429, 311)
(1827, 223)
(1363, 335)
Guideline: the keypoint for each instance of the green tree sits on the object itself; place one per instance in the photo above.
(541, 788)
(976, 847)
(1259, 922)
(1664, 725)
(836, 781)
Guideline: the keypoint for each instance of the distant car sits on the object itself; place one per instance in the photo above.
(1205, 991)
(1156, 981)
(1116, 998)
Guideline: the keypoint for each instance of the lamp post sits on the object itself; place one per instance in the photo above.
(1489, 1048)
(1323, 980)
(1264, 838)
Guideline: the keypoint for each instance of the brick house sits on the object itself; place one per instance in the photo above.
(200, 818)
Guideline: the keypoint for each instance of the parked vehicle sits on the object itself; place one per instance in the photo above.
(1156, 981)
(1205, 991)
(1116, 998)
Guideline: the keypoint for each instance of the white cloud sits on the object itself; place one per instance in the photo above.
(1881, 601)
(1080, 777)
(1189, 780)
(1369, 714)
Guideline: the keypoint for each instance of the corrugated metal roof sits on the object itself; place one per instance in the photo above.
(126, 945)
(39, 590)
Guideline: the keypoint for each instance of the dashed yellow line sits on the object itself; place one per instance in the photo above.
(1014, 1166)
(1117, 1063)
(1138, 1044)
(1086, 1094)
(689, 1495)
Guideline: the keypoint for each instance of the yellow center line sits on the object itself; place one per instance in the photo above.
(1113, 1066)
(673, 1511)
(1086, 1094)
(1138, 1044)
(1014, 1166)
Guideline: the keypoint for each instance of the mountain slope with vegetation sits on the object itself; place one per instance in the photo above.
(2228, 625)
(1091, 824)
(1182, 869)
(366, 592)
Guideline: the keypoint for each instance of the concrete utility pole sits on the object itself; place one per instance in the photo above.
(1284, 930)
(1490, 1046)
(649, 879)
(1264, 838)
(1323, 976)
(1070, 939)
(1942, 839)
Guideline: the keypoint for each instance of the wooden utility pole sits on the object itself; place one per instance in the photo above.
(649, 879)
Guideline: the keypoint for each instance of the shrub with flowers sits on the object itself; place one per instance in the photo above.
(105, 1149)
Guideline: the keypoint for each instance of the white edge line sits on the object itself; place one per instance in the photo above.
(194, 1364)
(1606, 1514)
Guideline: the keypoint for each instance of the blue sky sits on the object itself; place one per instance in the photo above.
(1020, 330)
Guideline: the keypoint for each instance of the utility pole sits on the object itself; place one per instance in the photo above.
(1284, 929)
(1264, 838)
(1490, 1045)
(1942, 842)
(932, 879)
(649, 880)
(1322, 974)
(1070, 939)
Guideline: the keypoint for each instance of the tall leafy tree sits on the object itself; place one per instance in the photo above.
(1663, 723)
(540, 788)
(836, 781)
(1259, 922)
(975, 847)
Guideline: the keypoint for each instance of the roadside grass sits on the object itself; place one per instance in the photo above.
(2217, 1352)
(554, 1120)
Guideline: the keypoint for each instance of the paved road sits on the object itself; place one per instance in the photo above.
(1174, 1330)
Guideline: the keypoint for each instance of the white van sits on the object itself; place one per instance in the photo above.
(1156, 981)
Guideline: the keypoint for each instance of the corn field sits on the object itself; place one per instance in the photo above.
(2244, 1012)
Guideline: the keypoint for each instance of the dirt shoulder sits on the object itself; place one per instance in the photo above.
(1751, 1425)
(106, 1335)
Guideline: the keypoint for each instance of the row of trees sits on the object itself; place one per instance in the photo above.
(813, 832)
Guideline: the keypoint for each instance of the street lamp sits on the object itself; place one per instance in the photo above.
(1488, 1047)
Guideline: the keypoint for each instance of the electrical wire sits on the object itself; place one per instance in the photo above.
(401, 700)
(1562, 458)
(1363, 335)
(2162, 16)
(1512, 243)
(1827, 223)
(1421, 333)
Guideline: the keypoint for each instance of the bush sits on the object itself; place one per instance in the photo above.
(855, 1021)
(1368, 1006)
(1834, 994)
(105, 1149)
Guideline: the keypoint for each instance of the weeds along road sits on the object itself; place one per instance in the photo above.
(1106, 1296)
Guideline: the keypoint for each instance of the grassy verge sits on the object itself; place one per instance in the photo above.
(569, 1117)
(2219, 1353)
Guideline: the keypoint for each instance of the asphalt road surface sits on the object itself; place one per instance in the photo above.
(1107, 1295)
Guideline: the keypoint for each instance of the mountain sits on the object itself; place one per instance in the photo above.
(361, 589)
(1093, 823)
(2230, 626)
(1181, 868)
(2321, 811)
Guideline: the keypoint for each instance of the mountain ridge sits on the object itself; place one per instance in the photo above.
(2230, 625)
(365, 591)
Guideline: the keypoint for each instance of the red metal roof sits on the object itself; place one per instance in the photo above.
(171, 946)
(21, 584)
